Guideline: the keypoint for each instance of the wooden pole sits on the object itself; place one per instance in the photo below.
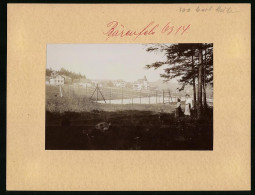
(78, 91)
(132, 96)
(140, 97)
(149, 98)
(97, 92)
(93, 93)
(169, 96)
(68, 91)
(60, 90)
(101, 94)
(156, 97)
(163, 96)
(122, 95)
(110, 95)
(73, 92)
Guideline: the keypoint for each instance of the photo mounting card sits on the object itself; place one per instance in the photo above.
(132, 97)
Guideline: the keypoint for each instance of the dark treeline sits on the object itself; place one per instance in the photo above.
(191, 64)
(65, 72)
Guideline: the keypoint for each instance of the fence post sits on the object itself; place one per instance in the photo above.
(169, 96)
(156, 96)
(97, 92)
(86, 90)
(78, 92)
(60, 90)
(68, 91)
(163, 96)
(140, 96)
(121, 95)
(110, 95)
(73, 91)
(149, 97)
(132, 95)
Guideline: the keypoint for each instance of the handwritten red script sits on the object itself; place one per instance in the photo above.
(115, 29)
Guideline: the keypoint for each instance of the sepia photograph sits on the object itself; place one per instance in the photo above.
(129, 96)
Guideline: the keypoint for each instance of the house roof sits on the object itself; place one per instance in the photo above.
(59, 76)
(66, 77)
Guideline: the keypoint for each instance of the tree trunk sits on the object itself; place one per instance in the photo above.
(204, 82)
(204, 95)
(200, 69)
(194, 85)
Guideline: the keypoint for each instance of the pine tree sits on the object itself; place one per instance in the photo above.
(185, 61)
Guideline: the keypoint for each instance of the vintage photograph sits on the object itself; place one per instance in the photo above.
(129, 96)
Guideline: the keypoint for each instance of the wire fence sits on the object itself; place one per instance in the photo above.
(116, 95)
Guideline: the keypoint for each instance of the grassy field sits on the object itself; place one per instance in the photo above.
(129, 130)
(71, 125)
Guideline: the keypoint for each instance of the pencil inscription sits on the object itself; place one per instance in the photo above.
(207, 9)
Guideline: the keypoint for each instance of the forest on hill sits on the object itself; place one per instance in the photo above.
(65, 72)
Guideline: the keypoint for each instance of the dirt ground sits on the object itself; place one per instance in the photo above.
(128, 130)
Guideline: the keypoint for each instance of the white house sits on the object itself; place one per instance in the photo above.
(57, 80)
(141, 84)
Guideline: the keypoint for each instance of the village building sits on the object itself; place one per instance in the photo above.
(119, 83)
(67, 79)
(96, 83)
(56, 79)
(141, 84)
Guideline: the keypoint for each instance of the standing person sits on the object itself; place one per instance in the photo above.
(188, 105)
(178, 111)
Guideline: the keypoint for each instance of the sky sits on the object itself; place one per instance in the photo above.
(105, 61)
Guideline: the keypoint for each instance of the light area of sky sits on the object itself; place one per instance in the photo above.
(105, 61)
